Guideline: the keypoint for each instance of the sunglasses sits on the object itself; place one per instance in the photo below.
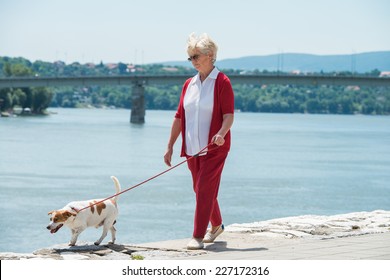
(194, 57)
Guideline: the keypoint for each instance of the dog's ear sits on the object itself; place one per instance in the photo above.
(51, 212)
(67, 214)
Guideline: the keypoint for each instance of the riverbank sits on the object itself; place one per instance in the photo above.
(360, 235)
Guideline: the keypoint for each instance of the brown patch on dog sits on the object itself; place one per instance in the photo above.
(60, 216)
(92, 207)
(100, 206)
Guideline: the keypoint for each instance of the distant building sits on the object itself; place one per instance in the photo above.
(111, 66)
(385, 74)
(352, 88)
(59, 63)
(130, 68)
(296, 72)
(170, 69)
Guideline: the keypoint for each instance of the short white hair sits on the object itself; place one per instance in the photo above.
(203, 43)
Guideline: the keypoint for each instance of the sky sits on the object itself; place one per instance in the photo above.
(147, 31)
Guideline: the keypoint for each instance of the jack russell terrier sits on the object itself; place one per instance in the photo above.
(102, 214)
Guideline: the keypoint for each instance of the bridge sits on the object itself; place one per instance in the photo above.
(138, 83)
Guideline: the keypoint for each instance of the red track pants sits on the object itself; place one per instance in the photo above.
(206, 175)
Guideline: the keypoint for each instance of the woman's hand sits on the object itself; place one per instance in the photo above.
(175, 132)
(218, 140)
(168, 156)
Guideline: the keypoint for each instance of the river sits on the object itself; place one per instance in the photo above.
(280, 165)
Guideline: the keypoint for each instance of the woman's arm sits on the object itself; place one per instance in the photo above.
(227, 123)
(175, 132)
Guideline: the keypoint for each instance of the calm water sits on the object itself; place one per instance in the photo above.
(280, 165)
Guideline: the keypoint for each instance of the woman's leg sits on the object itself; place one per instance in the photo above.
(206, 172)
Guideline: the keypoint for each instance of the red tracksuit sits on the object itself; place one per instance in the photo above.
(206, 170)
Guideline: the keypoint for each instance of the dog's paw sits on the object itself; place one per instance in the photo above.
(111, 242)
(97, 243)
(71, 244)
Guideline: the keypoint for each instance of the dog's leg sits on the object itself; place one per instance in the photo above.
(104, 234)
(113, 233)
(75, 235)
(108, 224)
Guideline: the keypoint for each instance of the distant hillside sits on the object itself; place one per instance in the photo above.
(287, 62)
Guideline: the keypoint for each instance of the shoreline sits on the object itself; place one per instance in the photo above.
(258, 240)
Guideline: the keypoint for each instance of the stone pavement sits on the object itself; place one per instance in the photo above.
(238, 246)
(229, 246)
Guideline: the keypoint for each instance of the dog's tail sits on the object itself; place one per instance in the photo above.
(117, 187)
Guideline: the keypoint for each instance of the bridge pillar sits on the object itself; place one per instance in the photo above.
(138, 104)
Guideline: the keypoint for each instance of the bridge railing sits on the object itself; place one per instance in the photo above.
(138, 82)
(259, 79)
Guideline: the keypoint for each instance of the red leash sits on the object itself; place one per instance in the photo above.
(147, 180)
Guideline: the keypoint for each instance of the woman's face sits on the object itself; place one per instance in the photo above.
(201, 62)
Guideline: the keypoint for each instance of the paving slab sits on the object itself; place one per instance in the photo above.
(238, 246)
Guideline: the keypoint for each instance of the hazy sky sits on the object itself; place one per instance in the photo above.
(146, 31)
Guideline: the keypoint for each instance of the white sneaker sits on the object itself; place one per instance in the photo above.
(195, 244)
(210, 237)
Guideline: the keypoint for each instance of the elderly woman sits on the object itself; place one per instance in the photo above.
(204, 116)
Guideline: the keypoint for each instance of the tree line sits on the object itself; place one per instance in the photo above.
(248, 98)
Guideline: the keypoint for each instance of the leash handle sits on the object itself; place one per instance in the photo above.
(151, 178)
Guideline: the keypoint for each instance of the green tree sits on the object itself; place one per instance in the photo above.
(19, 98)
(5, 99)
(41, 99)
(20, 70)
(7, 69)
(122, 68)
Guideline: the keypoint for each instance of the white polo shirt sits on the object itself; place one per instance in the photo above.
(198, 106)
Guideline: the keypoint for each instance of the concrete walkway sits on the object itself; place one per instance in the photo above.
(238, 246)
(229, 246)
